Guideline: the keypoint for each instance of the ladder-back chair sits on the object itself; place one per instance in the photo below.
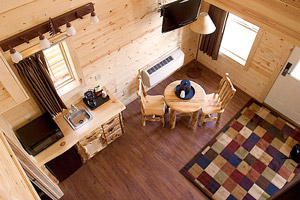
(152, 106)
(217, 101)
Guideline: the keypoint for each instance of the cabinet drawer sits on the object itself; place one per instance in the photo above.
(94, 135)
(114, 135)
(112, 130)
(111, 123)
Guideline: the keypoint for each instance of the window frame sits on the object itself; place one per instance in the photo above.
(73, 82)
(253, 49)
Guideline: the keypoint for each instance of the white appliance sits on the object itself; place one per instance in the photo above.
(163, 68)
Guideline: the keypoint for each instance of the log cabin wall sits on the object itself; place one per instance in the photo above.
(127, 38)
(268, 59)
(279, 21)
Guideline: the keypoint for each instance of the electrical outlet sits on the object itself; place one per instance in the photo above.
(271, 56)
(97, 77)
(27, 117)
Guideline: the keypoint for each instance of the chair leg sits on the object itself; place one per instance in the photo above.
(194, 119)
(219, 116)
(172, 118)
(201, 119)
(143, 120)
(162, 118)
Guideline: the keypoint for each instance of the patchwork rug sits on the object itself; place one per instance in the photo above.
(248, 158)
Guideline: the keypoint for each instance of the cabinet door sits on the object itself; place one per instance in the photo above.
(11, 90)
(91, 144)
(100, 138)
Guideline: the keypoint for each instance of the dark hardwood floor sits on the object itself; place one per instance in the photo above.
(144, 163)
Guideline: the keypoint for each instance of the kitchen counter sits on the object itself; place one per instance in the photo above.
(71, 137)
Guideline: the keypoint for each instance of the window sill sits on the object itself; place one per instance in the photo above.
(233, 57)
(68, 87)
(231, 60)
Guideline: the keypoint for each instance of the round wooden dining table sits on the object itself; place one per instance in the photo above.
(191, 106)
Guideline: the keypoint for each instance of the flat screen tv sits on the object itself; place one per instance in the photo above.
(179, 13)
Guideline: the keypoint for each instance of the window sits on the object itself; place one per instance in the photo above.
(296, 71)
(238, 39)
(61, 68)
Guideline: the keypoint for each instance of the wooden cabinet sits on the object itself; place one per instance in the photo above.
(11, 90)
(112, 129)
(100, 137)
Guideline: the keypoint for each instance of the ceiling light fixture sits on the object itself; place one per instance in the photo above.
(70, 29)
(44, 42)
(51, 26)
(15, 55)
(94, 19)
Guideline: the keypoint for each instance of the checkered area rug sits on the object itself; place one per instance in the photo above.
(248, 158)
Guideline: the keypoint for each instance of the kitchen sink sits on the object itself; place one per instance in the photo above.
(77, 117)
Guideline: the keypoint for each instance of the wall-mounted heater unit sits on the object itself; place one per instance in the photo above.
(163, 68)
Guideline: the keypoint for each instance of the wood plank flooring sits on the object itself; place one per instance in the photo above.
(144, 163)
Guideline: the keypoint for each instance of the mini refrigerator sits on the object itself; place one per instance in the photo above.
(64, 165)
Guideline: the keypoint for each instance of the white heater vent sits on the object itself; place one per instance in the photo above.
(163, 68)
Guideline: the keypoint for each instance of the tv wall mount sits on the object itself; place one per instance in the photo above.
(160, 4)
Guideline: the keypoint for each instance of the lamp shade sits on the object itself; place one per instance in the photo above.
(44, 42)
(94, 18)
(15, 55)
(70, 29)
(203, 25)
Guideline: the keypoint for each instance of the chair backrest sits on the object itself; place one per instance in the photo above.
(225, 91)
(141, 92)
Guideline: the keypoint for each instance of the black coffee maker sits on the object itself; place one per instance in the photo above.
(90, 98)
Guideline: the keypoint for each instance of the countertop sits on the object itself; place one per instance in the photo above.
(100, 115)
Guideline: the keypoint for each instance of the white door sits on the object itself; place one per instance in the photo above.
(284, 96)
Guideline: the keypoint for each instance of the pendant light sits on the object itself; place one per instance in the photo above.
(70, 29)
(44, 42)
(94, 18)
(15, 55)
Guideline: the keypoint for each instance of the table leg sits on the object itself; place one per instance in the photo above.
(172, 118)
(194, 119)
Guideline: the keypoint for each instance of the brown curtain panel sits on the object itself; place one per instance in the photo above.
(210, 44)
(33, 70)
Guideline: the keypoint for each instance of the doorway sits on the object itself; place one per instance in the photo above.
(284, 96)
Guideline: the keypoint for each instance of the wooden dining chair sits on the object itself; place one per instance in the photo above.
(217, 101)
(152, 106)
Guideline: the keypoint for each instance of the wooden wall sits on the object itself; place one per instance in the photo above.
(280, 17)
(269, 58)
(110, 53)
(128, 38)
(279, 21)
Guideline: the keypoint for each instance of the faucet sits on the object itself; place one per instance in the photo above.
(74, 109)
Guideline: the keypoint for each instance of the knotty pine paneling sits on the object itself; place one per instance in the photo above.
(6, 5)
(280, 17)
(269, 58)
(127, 39)
(6, 99)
